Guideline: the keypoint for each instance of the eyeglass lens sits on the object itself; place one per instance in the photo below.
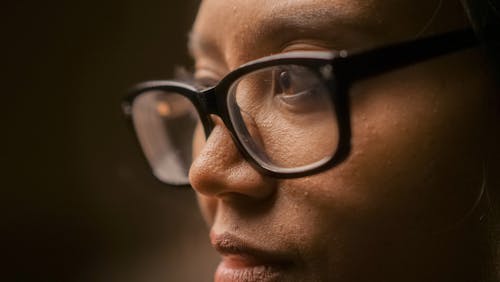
(284, 116)
(166, 123)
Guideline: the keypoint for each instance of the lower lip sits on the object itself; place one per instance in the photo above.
(248, 270)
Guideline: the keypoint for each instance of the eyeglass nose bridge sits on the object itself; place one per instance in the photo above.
(212, 106)
(213, 101)
(208, 99)
(208, 102)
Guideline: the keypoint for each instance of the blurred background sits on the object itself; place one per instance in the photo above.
(78, 200)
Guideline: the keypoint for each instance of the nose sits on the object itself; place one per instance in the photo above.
(219, 170)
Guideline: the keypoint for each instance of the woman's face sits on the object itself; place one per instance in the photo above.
(398, 208)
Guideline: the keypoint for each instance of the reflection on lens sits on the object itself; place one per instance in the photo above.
(165, 123)
(163, 109)
(284, 116)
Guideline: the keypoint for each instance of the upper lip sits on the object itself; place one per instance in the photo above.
(228, 244)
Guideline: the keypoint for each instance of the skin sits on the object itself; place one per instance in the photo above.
(405, 205)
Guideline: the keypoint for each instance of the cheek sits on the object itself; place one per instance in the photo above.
(415, 169)
(415, 154)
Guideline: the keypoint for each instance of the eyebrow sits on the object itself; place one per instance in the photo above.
(191, 43)
(198, 43)
(312, 22)
(334, 24)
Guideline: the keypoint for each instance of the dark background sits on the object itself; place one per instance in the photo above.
(78, 201)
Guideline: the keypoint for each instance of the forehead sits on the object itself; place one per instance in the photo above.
(241, 30)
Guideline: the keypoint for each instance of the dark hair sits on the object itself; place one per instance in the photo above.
(485, 18)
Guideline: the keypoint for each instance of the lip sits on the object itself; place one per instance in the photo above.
(242, 261)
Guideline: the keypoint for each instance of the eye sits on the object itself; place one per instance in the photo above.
(205, 82)
(299, 89)
(285, 81)
(293, 80)
(295, 84)
(194, 78)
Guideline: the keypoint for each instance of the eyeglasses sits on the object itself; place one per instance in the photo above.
(288, 114)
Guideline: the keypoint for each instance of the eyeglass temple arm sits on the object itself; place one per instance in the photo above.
(365, 64)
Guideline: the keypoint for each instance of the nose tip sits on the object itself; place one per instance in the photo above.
(220, 170)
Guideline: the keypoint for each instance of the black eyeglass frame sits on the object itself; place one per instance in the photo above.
(338, 69)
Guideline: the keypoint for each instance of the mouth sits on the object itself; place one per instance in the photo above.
(243, 262)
